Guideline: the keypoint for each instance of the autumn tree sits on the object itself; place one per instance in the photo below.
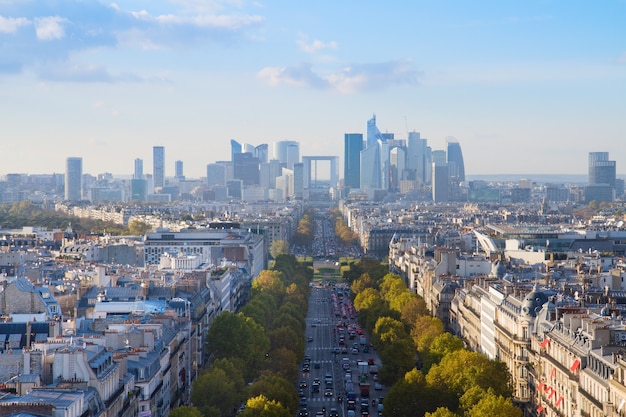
(425, 330)
(279, 247)
(261, 406)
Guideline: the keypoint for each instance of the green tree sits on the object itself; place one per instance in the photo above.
(279, 247)
(185, 412)
(464, 369)
(214, 388)
(236, 336)
(441, 412)
(276, 388)
(495, 406)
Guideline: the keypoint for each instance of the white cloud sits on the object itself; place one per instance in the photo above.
(315, 46)
(11, 25)
(49, 28)
(349, 80)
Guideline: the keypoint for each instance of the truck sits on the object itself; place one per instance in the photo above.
(365, 389)
(362, 340)
(363, 368)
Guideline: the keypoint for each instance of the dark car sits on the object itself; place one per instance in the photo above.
(303, 412)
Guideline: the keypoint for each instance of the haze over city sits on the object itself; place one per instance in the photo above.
(525, 88)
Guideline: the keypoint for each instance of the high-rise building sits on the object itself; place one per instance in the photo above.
(158, 166)
(287, 152)
(262, 152)
(602, 178)
(353, 145)
(417, 160)
(455, 160)
(397, 167)
(235, 148)
(138, 189)
(601, 170)
(215, 174)
(373, 133)
(298, 180)
(178, 170)
(370, 168)
(247, 168)
(440, 178)
(74, 179)
(138, 175)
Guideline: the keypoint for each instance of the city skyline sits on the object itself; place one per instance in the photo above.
(525, 89)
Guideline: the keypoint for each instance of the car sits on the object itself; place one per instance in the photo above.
(301, 393)
(328, 392)
(303, 412)
(303, 402)
(333, 412)
(316, 365)
(303, 384)
(309, 339)
(378, 386)
(355, 351)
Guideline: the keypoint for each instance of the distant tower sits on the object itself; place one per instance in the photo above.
(440, 182)
(235, 148)
(287, 152)
(417, 157)
(138, 175)
(353, 145)
(158, 166)
(601, 170)
(373, 133)
(178, 170)
(247, 168)
(455, 160)
(602, 178)
(74, 179)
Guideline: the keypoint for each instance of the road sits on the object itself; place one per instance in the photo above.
(324, 353)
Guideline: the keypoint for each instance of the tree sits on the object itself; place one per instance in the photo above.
(441, 346)
(441, 412)
(236, 336)
(425, 330)
(138, 228)
(214, 388)
(279, 247)
(276, 388)
(261, 406)
(463, 370)
(412, 309)
(495, 406)
(185, 412)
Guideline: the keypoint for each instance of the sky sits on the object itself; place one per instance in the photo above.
(524, 86)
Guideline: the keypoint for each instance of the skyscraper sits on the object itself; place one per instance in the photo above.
(247, 168)
(440, 182)
(74, 179)
(373, 133)
(601, 170)
(235, 148)
(417, 158)
(158, 166)
(178, 170)
(138, 175)
(353, 145)
(602, 178)
(287, 152)
(455, 160)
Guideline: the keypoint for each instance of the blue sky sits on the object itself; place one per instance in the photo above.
(526, 87)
